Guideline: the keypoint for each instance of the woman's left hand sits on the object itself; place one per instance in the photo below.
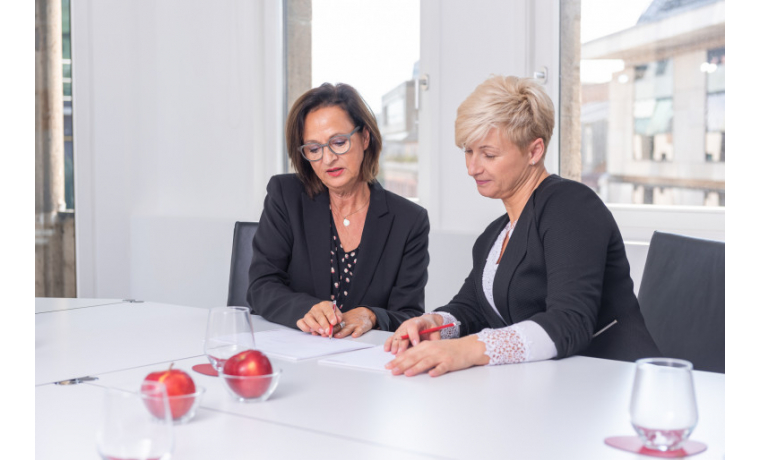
(440, 357)
(356, 322)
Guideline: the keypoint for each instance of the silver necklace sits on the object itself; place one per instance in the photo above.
(347, 222)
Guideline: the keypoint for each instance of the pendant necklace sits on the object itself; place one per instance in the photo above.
(347, 222)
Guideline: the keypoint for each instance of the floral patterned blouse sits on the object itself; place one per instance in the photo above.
(342, 266)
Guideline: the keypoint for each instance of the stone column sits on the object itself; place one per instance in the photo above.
(570, 93)
(49, 179)
(298, 44)
(297, 54)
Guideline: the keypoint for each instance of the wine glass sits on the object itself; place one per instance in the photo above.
(663, 404)
(136, 425)
(228, 332)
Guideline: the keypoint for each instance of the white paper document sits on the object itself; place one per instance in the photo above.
(372, 359)
(296, 345)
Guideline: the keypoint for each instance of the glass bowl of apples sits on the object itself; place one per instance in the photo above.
(183, 395)
(249, 377)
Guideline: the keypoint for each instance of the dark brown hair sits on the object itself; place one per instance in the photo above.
(329, 95)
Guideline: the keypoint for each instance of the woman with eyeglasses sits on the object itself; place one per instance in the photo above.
(550, 277)
(335, 253)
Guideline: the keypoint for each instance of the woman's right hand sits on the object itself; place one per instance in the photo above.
(318, 320)
(412, 327)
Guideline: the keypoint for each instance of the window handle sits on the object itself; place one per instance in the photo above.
(542, 75)
(421, 83)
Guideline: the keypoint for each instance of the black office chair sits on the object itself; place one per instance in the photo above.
(242, 253)
(683, 299)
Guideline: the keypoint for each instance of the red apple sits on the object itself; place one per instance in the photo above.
(249, 363)
(177, 383)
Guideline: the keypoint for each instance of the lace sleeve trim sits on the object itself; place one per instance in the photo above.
(449, 332)
(505, 346)
(520, 342)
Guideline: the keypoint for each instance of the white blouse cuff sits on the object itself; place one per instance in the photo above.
(518, 343)
(449, 332)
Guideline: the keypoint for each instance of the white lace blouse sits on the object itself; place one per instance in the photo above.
(520, 342)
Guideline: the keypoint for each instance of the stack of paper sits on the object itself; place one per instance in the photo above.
(372, 359)
(296, 345)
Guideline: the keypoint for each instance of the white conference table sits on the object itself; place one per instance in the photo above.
(67, 418)
(78, 342)
(552, 409)
(51, 304)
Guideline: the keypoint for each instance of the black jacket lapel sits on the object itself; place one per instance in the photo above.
(377, 228)
(316, 217)
(494, 321)
(513, 255)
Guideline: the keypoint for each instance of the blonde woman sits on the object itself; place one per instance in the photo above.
(550, 278)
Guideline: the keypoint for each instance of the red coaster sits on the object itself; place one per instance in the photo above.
(205, 369)
(634, 444)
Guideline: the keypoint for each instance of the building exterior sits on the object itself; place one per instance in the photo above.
(655, 134)
(398, 126)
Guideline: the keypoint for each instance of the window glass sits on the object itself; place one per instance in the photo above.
(68, 132)
(715, 113)
(66, 28)
(653, 101)
(374, 46)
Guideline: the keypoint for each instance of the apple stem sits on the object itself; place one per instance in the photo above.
(171, 365)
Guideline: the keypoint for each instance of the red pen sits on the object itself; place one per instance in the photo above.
(331, 326)
(432, 329)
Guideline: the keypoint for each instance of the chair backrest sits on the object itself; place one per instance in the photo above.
(683, 299)
(242, 253)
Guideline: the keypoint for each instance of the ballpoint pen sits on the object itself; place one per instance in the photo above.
(331, 326)
(432, 329)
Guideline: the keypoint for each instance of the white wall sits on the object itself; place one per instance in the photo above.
(177, 110)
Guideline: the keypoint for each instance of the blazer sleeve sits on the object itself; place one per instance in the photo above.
(269, 292)
(407, 296)
(575, 230)
(464, 306)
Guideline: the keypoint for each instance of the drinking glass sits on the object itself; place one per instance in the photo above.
(228, 332)
(136, 425)
(663, 405)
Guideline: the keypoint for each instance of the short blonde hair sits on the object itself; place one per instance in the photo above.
(518, 107)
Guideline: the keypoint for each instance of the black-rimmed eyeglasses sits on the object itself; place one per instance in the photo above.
(338, 144)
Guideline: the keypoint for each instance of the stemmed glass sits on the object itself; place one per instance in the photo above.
(663, 404)
(136, 425)
(228, 332)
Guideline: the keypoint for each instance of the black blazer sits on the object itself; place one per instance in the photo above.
(290, 270)
(564, 268)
